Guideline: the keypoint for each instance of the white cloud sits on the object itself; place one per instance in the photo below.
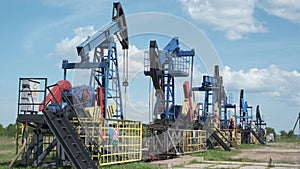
(136, 61)
(286, 9)
(234, 17)
(66, 48)
(272, 82)
(137, 110)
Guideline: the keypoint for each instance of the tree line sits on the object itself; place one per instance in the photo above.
(289, 134)
(282, 133)
(8, 131)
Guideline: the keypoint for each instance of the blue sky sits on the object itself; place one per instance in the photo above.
(257, 42)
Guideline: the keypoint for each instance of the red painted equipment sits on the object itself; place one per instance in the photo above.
(56, 92)
(101, 100)
(187, 96)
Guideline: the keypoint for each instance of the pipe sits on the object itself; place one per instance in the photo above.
(18, 154)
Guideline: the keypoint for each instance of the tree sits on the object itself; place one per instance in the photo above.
(1, 130)
(290, 134)
(283, 134)
(10, 130)
(271, 130)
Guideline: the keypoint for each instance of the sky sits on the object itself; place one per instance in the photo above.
(256, 43)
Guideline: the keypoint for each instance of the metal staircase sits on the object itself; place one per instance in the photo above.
(215, 135)
(62, 128)
(257, 137)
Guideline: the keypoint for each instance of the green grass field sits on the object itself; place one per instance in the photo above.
(8, 148)
(7, 153)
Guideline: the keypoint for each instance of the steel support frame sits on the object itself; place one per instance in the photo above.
(172, 141)
(104, 73)
(169, 92)
(36, 149)
(110, 78)
(165, 142)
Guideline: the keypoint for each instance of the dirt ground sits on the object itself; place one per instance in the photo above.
(283, 155)
(278, 152)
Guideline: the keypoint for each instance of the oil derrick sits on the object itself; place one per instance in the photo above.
(81, 126)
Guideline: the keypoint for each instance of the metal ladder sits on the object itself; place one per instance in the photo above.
(214, 134)
(62, 128)
(257, 137)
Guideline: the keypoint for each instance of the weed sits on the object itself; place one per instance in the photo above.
(270, 163)
(136, 165)
(194, 161)
(178, 166)
(250, 146)
(217, 155)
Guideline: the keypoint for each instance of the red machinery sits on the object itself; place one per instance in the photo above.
(57, 90)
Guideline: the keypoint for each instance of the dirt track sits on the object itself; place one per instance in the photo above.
(278, 152)
(283, 155)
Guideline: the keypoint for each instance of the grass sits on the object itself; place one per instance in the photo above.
(243, 160)
(293, 142)
(194, 161)
(251, 146)
(288, 140)
(217, 155)
(7, 153)
(6, 157)
(136, 165)
(178, 166)
(221, 155)
(7, 143)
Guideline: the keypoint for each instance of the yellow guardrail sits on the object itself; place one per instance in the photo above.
(110, 141)
(232, 135)
(194, 141)
(117, 141)
(191, 140)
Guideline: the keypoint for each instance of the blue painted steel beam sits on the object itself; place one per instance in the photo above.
(84, 65)
(186, 53)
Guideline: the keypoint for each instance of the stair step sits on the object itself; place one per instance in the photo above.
(64, 132)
